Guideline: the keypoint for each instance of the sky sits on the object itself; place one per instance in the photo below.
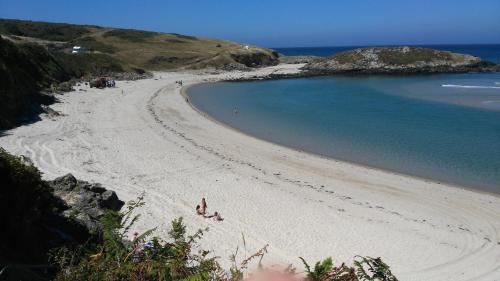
(284, 23)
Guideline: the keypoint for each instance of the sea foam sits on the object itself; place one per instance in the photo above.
(470, 86)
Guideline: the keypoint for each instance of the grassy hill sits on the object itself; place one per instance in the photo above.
(139, 49)
(36, 56)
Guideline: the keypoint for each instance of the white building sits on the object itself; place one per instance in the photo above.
(76, 49)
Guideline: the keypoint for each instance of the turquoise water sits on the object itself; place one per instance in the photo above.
(410, 124)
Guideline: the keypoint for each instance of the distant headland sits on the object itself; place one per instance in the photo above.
(398, 60)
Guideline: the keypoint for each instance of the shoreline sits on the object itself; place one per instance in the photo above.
(143, 137)
(184, 93)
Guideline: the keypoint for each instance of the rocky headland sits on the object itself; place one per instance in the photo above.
(398, 60)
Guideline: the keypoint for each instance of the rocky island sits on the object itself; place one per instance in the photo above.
(398, 60)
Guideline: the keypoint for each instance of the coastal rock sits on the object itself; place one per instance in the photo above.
(84, 202)
(299, 59)
(233, 67)
(402, 60)
(255, 58)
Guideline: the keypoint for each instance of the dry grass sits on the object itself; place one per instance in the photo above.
(144, 49)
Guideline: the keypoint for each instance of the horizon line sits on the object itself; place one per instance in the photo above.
(387, 45)
(259, 45)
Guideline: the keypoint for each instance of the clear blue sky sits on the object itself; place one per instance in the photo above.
(281, 23)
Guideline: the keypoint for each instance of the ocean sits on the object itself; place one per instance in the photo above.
(444, 127)
(489, 52)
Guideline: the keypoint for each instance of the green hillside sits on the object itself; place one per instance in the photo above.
(36, 56)
(139, 49)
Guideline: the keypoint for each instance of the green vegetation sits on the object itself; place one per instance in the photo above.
(140, 49)
(27, 69)
(175, 259)
(43, 30)
(131, 35)
(364, 269)
(184, 36)
(395, 56)
(26, 202)
(119, 259)
(92, 63)
(347, 57)
(91, 44)
(24, 70)
(41, 59)
(29, 221)
(150, 258)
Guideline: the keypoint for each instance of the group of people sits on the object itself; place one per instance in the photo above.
(110, 83)
(140, 247)
(201, 210)
(179, 82)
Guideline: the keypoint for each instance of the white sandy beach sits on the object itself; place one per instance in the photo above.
(144, 137)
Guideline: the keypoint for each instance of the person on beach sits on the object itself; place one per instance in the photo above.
(217, 217)
(203, 206)
(198, 210)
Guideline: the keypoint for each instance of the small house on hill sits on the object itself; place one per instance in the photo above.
(76, 50)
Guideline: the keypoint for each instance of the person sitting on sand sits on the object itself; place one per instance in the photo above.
(198, 210)
(216, 217)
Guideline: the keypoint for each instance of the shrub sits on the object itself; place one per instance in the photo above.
(364, 269)
(176, 258)
(24, 70)
(25, 202)
(119, 259)
(88, 64)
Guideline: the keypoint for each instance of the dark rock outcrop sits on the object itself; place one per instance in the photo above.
(299, 59)
(255, 58)
(37, 216)
(84, 202)
(398, 60)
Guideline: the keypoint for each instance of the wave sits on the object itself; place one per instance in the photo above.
(470, 86)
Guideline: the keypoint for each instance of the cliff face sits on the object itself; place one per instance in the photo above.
(398, 60)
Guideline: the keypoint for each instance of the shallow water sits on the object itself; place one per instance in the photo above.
(411, 125)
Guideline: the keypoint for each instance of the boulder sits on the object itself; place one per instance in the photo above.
(84, 202)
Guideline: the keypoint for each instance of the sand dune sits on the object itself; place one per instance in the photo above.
(143, 137)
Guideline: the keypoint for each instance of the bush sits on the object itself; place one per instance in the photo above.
(25, 202)
(119, 259)
(364, 269)
(24, 70)
(176, 259)
(78, 65)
